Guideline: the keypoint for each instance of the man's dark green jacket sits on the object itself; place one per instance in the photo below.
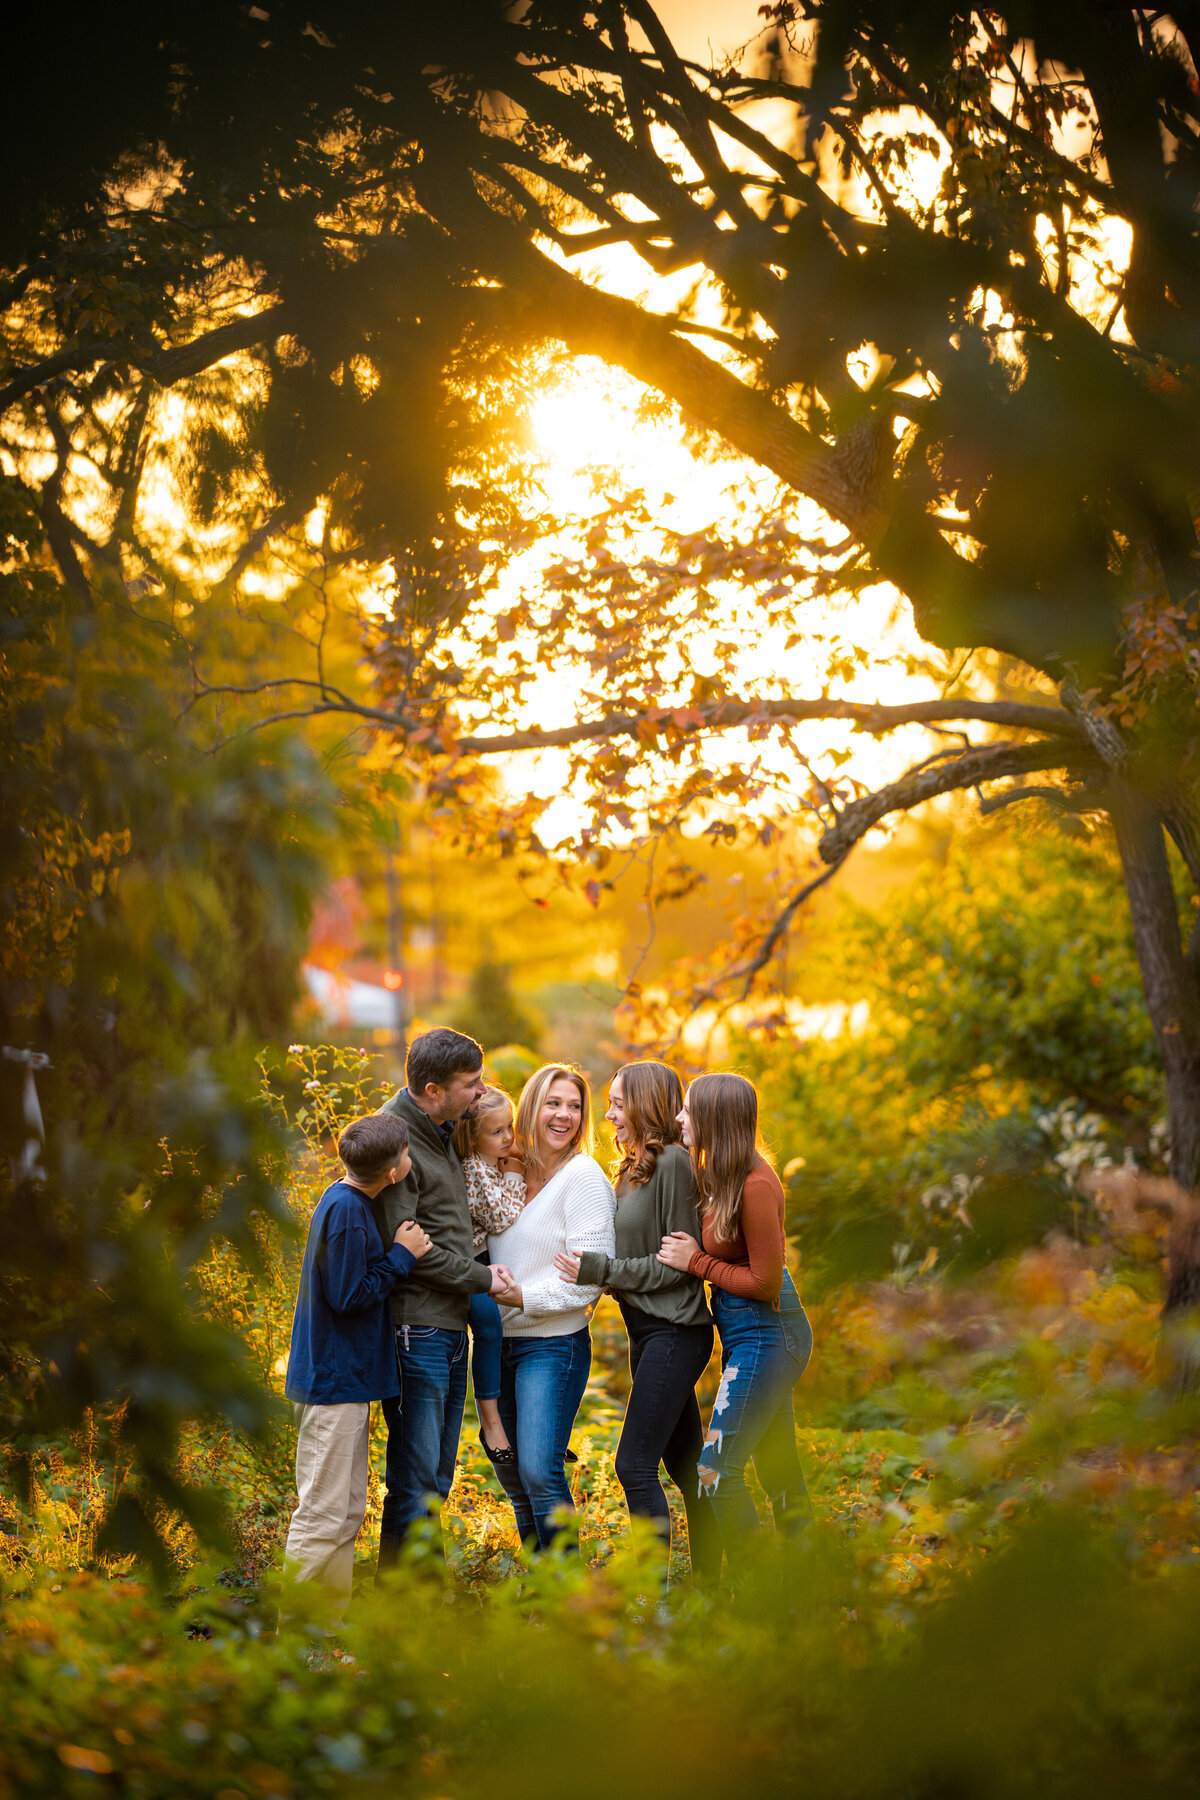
(434, 1193)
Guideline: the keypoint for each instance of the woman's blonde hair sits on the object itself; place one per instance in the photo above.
(724, 1115)
(651, 1094)
(466, 1132)
(533, 1097)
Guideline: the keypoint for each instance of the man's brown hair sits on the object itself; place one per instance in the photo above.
(371, 1146)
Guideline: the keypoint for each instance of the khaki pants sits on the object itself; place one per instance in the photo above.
(332, 1462)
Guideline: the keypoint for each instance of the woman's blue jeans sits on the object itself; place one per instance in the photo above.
(763, 1354)
(541, 1384)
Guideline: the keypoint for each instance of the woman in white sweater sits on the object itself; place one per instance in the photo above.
(547, 1345)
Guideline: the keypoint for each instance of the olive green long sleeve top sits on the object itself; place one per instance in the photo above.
(667, 1202)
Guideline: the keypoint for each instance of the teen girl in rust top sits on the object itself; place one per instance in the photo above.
(766, 1339)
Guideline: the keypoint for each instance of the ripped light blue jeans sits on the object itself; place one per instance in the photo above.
(764, 1352)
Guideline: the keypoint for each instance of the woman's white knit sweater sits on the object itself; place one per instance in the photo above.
(574, 1211)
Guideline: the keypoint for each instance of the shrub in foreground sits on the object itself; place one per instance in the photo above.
(1057, 1668)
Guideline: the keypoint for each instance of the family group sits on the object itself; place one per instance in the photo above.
(459, 1220)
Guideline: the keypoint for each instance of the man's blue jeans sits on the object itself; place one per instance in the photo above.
(541, 1384)
(424, 1423)
(763, 1354)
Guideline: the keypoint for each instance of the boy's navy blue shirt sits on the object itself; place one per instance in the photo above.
(343, 1344)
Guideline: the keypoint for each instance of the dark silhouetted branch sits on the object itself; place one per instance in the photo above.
(166, 366)
(994, 803)
(991, 763)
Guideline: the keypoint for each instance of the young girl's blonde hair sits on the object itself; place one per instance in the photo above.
(533, 1096)
(466, 1132)
(723, 1110)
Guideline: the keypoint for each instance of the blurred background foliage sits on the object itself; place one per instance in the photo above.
(156, 899)
(986, 1048)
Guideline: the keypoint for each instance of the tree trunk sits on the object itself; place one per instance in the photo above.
(1173, 1002)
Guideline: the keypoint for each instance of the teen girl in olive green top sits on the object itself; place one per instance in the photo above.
(665, 1311)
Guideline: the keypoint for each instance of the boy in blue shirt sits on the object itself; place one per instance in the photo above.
(343, 1352)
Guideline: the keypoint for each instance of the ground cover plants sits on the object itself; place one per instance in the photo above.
(998, 1596)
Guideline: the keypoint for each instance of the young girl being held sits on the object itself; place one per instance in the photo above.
(486, 1143)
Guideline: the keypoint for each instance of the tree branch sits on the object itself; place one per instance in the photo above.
(693, 126)
(994, 803)
(724, 714)
(166, 365)
(746, 971)
(548, 301)
(25, 380)
(991, 763)
(595, 323)
(276, 521)
(170, 366)
(332, 701)
(721, 715)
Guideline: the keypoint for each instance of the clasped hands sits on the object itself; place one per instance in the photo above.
(504, 1289)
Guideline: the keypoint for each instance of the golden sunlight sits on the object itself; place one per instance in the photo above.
(594, 428)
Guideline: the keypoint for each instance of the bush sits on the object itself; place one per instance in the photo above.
(1056, 1668)
(1005, 1045)
(157, 886)
(491, 1013)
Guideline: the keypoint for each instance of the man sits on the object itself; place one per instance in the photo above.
(444, 1076)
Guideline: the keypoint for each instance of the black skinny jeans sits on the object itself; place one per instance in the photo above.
(662, 1425)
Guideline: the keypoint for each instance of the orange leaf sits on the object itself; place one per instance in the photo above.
(91, 1762)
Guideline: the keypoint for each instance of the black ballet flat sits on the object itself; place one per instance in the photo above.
(505, 1455)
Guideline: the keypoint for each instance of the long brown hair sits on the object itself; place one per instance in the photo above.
(652, 1095)
(533, 1095)
(724, 1114)
(466, 1132)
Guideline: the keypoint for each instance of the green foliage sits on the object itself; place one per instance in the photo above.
(157, 889)
(491, 1012)
(1003, 1020)
(510, 1066)
(1013, 962)
(1058, 1669)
